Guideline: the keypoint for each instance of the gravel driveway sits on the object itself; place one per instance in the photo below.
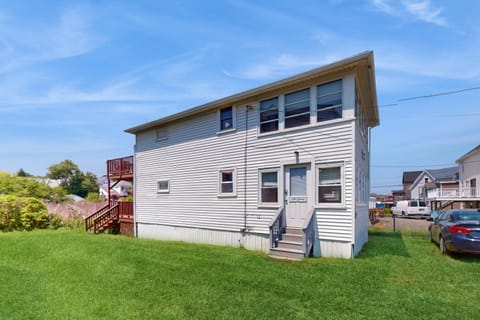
(413, 224)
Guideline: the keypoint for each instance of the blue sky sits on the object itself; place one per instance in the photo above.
(75, 74)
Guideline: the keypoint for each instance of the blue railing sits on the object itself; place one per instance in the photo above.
(309, 232)
(277, 227)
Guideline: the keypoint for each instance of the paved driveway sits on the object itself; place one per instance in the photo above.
(414, 224)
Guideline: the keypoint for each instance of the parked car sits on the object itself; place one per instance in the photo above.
(411, 208)
(457, 231)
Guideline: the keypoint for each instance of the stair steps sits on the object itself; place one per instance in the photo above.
(291, 245)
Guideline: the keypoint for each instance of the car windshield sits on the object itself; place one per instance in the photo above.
(465, 215)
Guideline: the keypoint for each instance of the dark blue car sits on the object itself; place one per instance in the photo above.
(457, 231)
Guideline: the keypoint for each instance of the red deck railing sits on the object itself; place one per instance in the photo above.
(115, 211)
(120, 168)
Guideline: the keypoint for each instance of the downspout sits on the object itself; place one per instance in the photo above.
(245, 164)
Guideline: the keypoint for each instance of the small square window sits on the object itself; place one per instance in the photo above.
(162, 134)
(163, 186)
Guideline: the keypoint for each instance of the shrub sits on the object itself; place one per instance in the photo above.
(17, 213)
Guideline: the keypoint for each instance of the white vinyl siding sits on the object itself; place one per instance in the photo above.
(195, 153)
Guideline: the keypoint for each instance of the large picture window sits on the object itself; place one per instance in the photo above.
(329, 185)
(329, 101)
(268, 187)
(297, 108)
(269, 115)
(227, 182)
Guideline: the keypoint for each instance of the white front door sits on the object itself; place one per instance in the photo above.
(297, 194)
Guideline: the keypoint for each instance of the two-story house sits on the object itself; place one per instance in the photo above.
(283, 168)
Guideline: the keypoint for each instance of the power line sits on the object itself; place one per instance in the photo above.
(439, 94)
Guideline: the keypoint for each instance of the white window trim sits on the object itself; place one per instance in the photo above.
(340, 165)
(163, 190)
(219, 183)
(259, 191)
(313, 110)
(234, 121)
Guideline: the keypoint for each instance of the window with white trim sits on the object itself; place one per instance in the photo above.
(227, 182)
(269, 115)
(329, 101)
(329, 184)
(297, 108)
(161, 134)
(226, 119)
(268, 182)
(163, 186)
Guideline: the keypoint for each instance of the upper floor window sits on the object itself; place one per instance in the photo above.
(226, 119)
(161, 134)
(329, 101)
(269, 115)
(297, 108)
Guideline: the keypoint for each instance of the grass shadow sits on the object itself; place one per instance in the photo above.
(384, 243)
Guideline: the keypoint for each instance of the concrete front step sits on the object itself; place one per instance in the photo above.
(293, 245)
(287, 253)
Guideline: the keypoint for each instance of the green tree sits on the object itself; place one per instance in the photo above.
(23, 173)
(73, 179)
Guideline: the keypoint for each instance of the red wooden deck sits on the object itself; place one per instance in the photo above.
(120, 169)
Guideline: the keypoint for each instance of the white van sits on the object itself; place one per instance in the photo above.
(411, 208)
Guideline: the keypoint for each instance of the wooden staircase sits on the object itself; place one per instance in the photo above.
(291, 243)
(109, 217)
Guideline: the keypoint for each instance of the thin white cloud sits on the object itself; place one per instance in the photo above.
(385, 6)
(424, 11)
(25, 43)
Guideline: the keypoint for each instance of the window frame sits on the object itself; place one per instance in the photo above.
(341, 167)
(278, 120)
(308, 113)
(260, 188)
(219, 120)
(317, 97)
(220, 183)
(167, 190)
(161, 134)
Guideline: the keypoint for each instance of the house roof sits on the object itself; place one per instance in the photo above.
(468, 154)
(362, 64)
(444, 174)
(410, 176)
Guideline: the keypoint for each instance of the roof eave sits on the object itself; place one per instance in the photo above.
(364, 59)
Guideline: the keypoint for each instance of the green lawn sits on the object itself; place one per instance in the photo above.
(73, 275)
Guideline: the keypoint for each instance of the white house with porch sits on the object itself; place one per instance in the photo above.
(283, 168)
(466, 193)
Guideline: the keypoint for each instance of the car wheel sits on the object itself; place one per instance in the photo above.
(443, 248)
(403, 214)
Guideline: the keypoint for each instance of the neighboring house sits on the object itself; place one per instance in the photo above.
(408, 179)
(469, 171)
(118, 189)
(459, 188)
(52, 183)
(280, 168)
(433, 179)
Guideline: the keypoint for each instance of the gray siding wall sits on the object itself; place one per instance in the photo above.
(193, 153)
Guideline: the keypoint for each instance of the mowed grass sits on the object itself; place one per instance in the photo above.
(73, 275)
